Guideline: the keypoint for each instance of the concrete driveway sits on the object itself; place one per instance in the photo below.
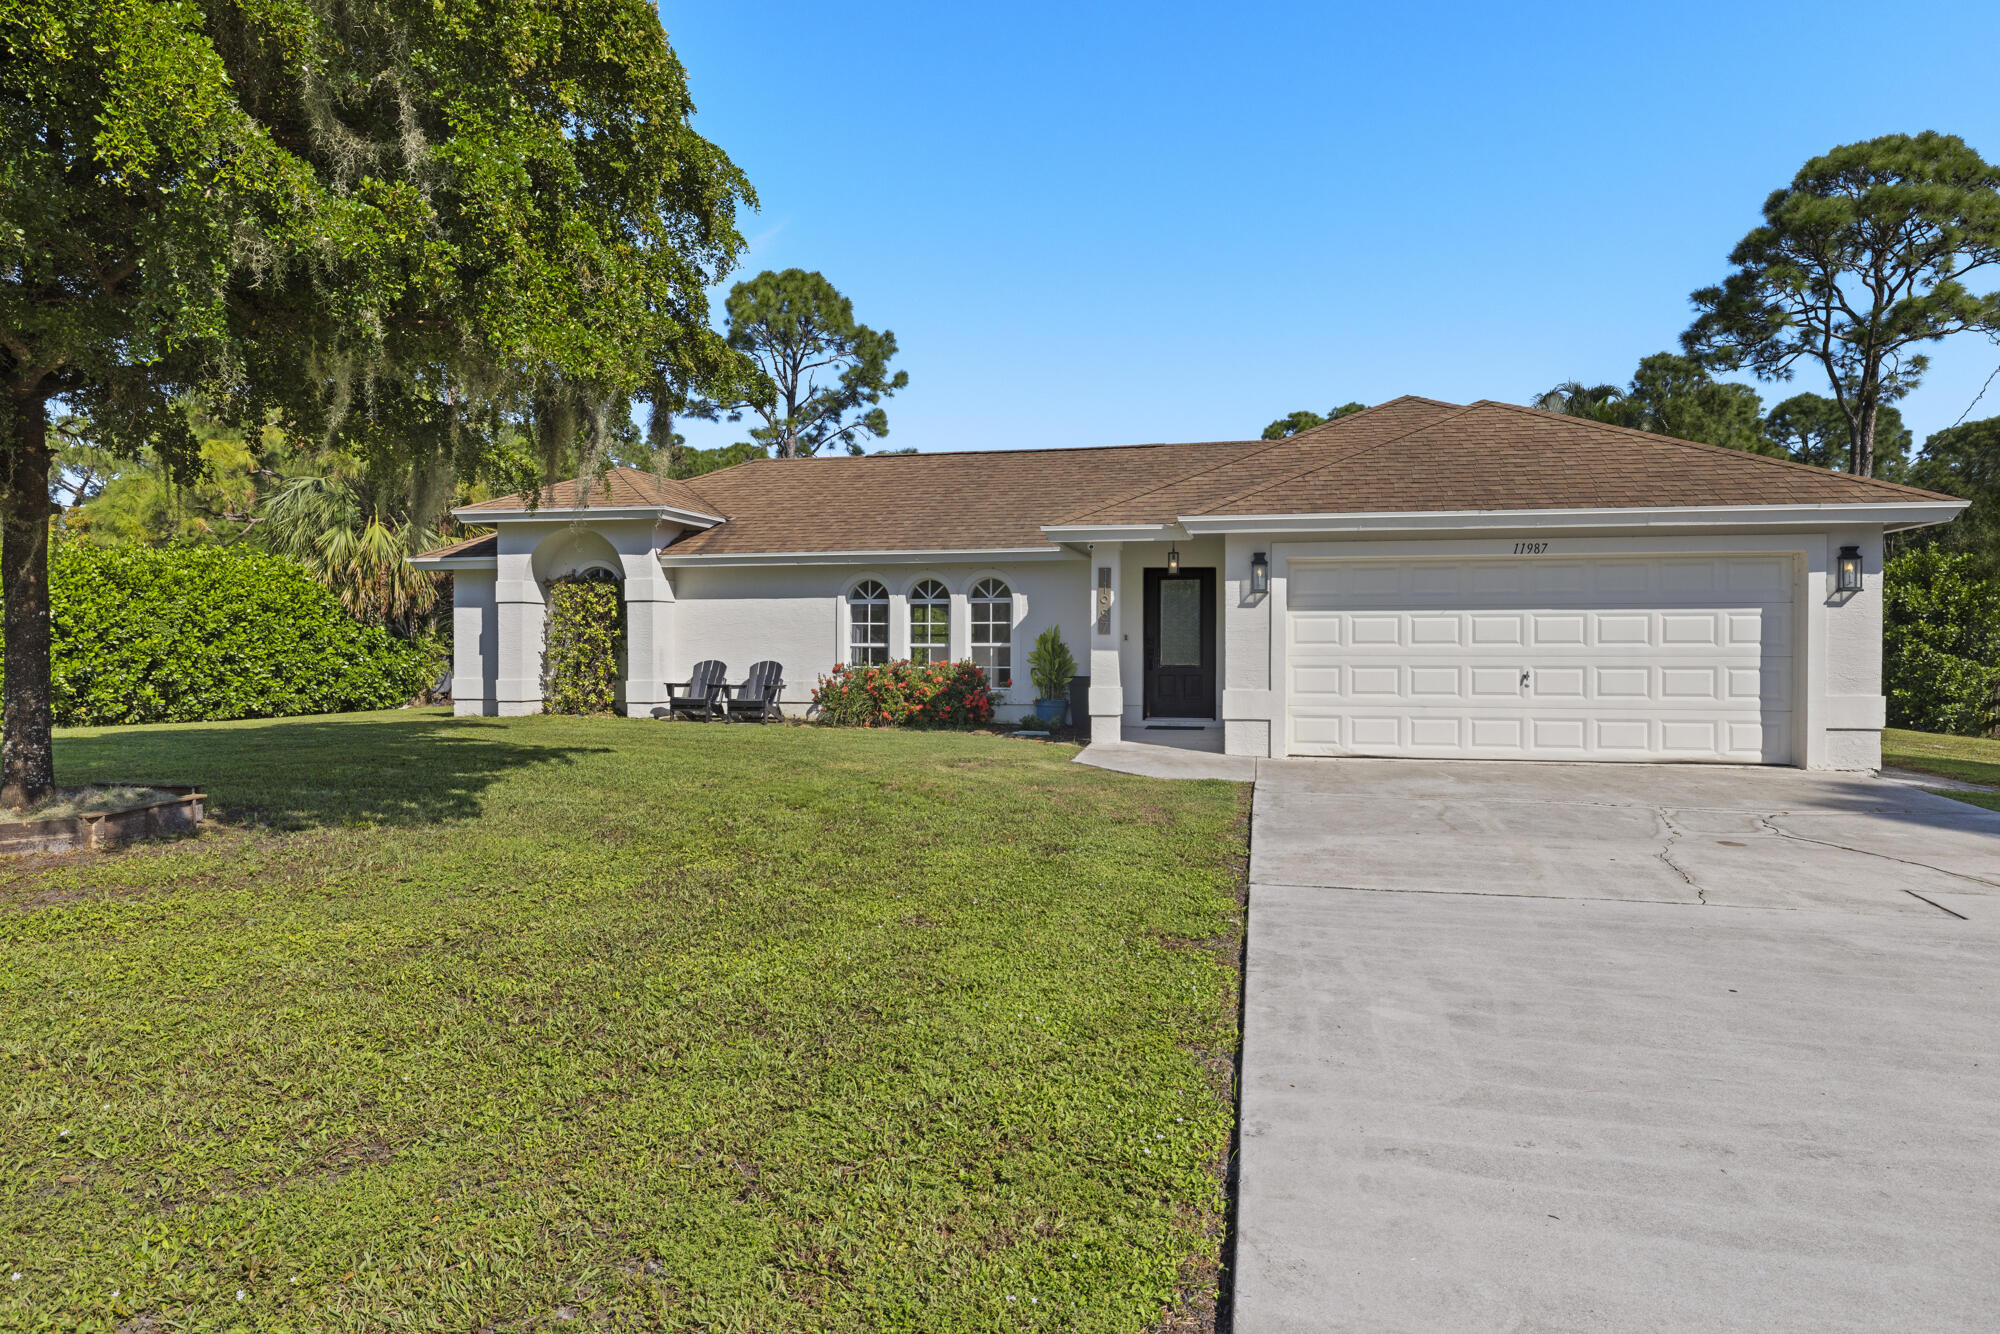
(1566, 1047)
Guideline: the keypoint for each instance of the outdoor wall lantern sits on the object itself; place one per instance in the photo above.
(1260, 574)
(1173, 560)
(1848, 578)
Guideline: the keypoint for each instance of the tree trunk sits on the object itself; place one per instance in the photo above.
(27, 749)
(1864, 443)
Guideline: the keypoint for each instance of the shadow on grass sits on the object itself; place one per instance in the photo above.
(302, 773)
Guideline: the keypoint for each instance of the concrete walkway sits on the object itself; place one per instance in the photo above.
(1168, 761)
(1566, 1047)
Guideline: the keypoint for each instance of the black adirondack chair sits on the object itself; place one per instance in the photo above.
(756, 700)
(701, 696)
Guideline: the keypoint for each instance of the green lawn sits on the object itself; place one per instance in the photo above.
(1971, 759)
(598, 1024)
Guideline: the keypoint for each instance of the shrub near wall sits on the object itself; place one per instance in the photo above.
(580, 652)
(186, 634)
(1941, 643)
(905, 694)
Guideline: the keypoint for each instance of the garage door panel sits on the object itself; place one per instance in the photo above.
(1619, 580)
(1702, 683)
(1692, 659)
(1631, 628)
(1440, 581)
(1558, 582)
(1326, 680)
(1690, 627)
(1364, 630)
(1688, 580)
(1622, 683)
(1498, 628)
(1376, 682)
(1369, 733)
(1558, 683)
(1763, 579)
(1487, 580)
(1435, 628)
(1436, 733)
(1690, 736)
(1557, 734)
(1317, 630)
(1551, 629)
(1498, 733)
(1435, 683)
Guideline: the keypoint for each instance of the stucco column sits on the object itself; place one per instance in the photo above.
(474, 637)
(649, 624)
(1249, 712)
(1107, 693)
(519, 610)
(1845, 709)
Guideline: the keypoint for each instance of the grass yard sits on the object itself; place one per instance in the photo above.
(470, 1024)
(1971, 759)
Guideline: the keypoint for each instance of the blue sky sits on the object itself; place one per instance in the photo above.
(1112, 223)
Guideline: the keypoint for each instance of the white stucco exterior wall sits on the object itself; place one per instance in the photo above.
(797, 615)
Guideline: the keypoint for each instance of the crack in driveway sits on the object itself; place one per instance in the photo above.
(1665, 854)
(1767, 822)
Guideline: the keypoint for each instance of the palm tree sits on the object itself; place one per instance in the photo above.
(325, 524)
(1573, 398)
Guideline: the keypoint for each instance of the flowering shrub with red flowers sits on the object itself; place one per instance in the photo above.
(904, 694)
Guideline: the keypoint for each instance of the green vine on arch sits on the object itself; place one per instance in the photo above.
(580, 648)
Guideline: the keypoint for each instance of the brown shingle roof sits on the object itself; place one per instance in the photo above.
(620, 488)
(1409, 454)
(1497, 456)
(485, 544)
(927, 502)
(1267, 464)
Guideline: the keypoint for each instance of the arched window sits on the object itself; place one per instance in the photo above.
(993, 631)
(868, 624)
(930, 622)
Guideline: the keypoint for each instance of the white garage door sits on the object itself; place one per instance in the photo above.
(1647, 658)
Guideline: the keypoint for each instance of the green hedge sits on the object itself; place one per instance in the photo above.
(1940, 643)
(187, 634)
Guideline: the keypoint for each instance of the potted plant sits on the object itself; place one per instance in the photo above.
(1050, 666)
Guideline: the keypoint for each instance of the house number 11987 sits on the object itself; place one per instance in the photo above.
(1530, 548)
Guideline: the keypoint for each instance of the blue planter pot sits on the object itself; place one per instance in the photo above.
(1051, 711)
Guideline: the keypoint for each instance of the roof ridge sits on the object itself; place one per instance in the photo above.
(1655, 437)
(1270, 445)
(988, 453)
(1462, 409)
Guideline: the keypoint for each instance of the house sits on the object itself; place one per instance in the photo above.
(1420, 579)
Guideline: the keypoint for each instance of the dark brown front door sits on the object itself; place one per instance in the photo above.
(1180, 644)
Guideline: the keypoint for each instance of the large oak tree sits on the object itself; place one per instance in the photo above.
(412, 226)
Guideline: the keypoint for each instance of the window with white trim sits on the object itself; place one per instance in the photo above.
(930, 622)
(868, 624)
(993, 631)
